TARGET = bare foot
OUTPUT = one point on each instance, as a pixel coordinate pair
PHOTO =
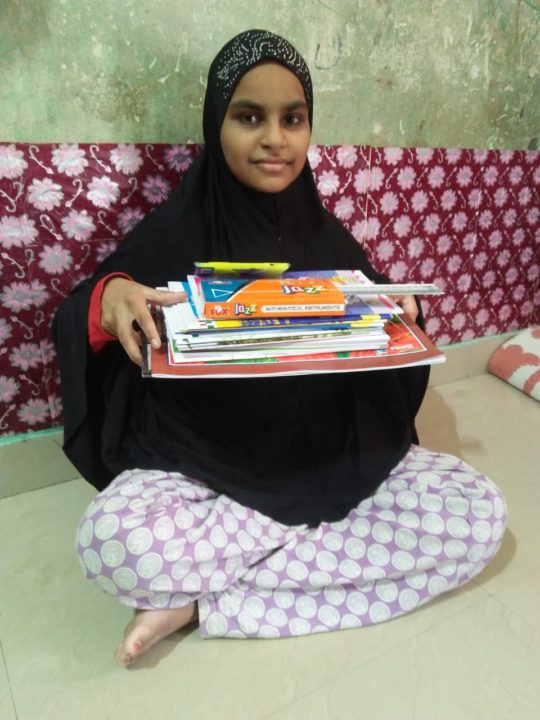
(149, 627)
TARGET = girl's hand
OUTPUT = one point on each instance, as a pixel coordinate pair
(125, 313)
(408, 303)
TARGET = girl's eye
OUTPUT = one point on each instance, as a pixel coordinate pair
(294, 119)
(248, 118)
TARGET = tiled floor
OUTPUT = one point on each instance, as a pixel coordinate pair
(474, 654)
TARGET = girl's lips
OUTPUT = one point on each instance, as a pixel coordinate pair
(271, 166)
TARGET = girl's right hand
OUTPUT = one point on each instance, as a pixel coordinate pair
(125, 313)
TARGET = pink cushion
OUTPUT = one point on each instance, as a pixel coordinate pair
(518, 362)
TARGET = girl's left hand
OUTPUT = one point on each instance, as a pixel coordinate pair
(408, 303)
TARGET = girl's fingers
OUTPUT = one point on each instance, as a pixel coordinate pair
(147, 325)
(408, 303)
(126, 315)
(164, 297)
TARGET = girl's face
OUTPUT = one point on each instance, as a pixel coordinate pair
(265, 134)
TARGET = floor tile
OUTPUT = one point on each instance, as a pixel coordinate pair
(523, 598)
(477, 420)
(61, 632)
(461, 669)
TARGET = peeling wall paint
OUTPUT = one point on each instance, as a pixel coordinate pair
(450, 73)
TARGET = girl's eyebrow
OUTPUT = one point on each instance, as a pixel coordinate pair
(257, 107)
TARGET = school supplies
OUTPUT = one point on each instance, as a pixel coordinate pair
(370, 331)
(240, 269)
(407, 346)
(293, 294)
(220, 297)
(354, 282)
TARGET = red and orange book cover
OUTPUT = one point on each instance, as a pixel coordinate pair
(223, 298)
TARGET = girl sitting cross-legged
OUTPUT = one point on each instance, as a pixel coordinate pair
(257, 507)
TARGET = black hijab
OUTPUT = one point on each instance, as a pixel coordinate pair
(241, 222)
(300, 449)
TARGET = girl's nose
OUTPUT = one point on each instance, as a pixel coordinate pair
(273, 135)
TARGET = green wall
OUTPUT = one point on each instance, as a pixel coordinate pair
(444, 73)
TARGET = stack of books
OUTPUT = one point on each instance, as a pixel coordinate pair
(252, 320)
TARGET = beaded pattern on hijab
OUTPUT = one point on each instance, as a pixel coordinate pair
(250, 48)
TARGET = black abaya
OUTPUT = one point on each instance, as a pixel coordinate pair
(300, 449)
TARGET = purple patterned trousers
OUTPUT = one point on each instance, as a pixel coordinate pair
(161, 540)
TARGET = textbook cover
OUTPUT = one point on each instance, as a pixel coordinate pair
(220, 297)
(355, 307)
(359, 312)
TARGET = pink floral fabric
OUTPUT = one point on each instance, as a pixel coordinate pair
(468, 220)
